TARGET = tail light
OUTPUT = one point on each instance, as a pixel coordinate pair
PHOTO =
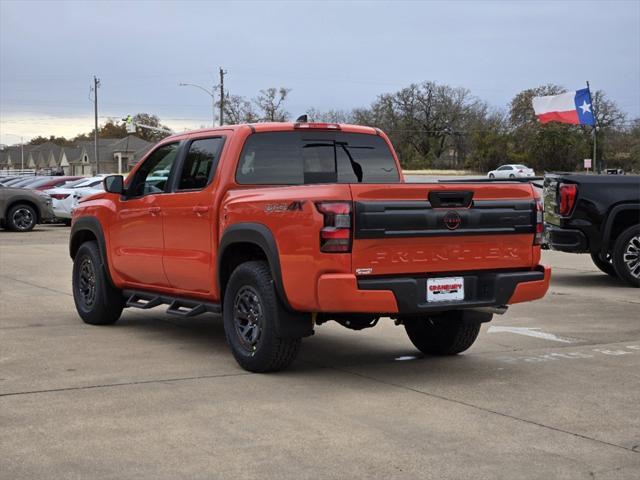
(59, 196)
(317, 125)
(567, 193)
(538, 238)
(336, 235)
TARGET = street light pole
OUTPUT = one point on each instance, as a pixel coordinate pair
(208, 92)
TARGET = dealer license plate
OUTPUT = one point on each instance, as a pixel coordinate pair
(445, 289)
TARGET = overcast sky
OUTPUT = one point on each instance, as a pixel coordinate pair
(334, 55)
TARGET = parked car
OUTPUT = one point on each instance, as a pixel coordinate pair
(26, 182)
(598, 215)
(511, 171)
(64, 199)
(21, 209)
(281, 227)
(53, 182)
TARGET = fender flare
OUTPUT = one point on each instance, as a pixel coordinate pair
(608, 225)
(289, 323)
(89, 224)
(259, 235)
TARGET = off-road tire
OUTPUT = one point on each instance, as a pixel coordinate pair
(97, 301)
(604, 264)
(253, 281)
(21, 218)
(625, 255)
(447, 334)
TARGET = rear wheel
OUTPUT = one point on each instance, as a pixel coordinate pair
(250, 311)
(604, 263)
(491, 175)
(626, 256)
(97, 301)
(446, 334)
(512, 176)
(21, 218)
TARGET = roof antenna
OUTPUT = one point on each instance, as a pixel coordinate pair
(302, 119)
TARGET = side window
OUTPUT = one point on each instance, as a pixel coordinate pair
(200, 163)
(153, 174)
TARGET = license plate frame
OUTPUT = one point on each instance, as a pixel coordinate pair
(445, 289)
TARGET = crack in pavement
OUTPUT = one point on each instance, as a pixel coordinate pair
(124, 384)
(36, 285)
(482, 409)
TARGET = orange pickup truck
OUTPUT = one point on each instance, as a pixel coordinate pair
(280, 227)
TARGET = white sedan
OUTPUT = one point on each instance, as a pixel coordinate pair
(511, 171)
(66, 198)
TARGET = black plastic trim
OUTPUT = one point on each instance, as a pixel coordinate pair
(259, 235)
(401, 219)
(90, 224)
(566, 239)
(482, 289)
(608, 226)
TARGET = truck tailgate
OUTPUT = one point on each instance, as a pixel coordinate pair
(430, 228)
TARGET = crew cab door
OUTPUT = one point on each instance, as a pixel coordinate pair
(137, 241)
(189, 216)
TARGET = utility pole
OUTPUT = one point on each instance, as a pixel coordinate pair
(96, 84)
(22, 155)
(222, 74)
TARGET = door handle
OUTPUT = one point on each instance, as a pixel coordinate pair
(154, 210)
(200, 209)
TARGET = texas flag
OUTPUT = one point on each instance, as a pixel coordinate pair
(570, 107)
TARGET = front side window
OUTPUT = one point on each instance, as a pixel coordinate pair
(299, 158)
(200, 163)
(153, 174)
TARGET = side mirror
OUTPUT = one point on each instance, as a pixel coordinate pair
(114, 184)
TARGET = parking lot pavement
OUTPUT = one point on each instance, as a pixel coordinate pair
(550, 390)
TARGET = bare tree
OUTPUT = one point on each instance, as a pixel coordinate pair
(238, 109)
(269, 103)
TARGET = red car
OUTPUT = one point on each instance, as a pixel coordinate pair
(52, 182)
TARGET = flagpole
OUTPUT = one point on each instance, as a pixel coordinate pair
(596, 168)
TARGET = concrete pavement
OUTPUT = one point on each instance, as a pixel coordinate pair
(159, 397)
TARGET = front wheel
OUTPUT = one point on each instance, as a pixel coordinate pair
(446, 334)
(97, 301)
(604, 263)
(491, 175)
(250, 311)
(512, 176)
(626, 256)
(21, 218)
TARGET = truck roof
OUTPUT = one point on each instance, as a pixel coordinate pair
(281, 127)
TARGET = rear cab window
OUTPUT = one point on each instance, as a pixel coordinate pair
(302, 158)
(200, 163)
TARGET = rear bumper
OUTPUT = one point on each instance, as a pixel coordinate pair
(342, 293)
(566, 239)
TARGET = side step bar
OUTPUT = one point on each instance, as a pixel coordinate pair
(181, 307)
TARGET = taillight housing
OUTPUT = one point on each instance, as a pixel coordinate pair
(567, 193)
(336, 233)
(59, 196)
(538, 238)
(317, 125)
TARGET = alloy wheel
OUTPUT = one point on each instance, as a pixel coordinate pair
(631, 256)
(87, 282)
(248, 317)
(23, 218)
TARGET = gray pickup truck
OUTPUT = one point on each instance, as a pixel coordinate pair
(21, 209)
